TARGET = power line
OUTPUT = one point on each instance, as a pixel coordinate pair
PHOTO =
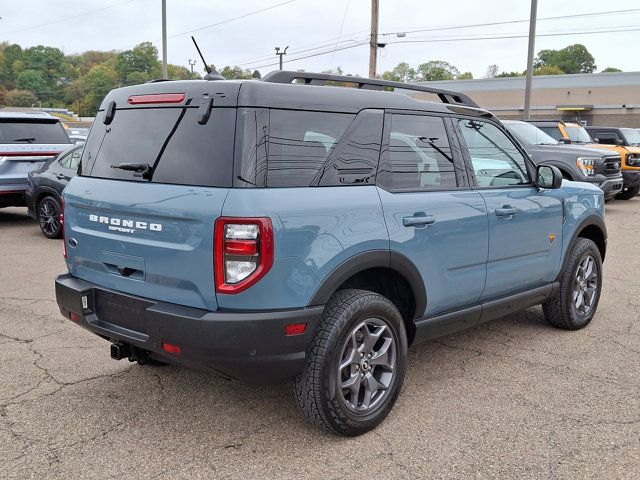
(344, 17)
(66, 18)
(232, 19)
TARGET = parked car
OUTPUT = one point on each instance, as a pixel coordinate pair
(27, 140)
(599, 167)
(286, 229)
(574, 133)
(44, 189)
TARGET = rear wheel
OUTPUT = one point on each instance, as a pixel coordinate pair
(628, 193)
(49, 210)
(575, 304)
(355, 365)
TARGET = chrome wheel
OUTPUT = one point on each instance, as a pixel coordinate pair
(367, 365)
(585, 285)
(49, 216)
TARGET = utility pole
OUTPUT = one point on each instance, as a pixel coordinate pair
(373, 42)
(532, 41)
(281, 54)
(191, 64)
(165, 74)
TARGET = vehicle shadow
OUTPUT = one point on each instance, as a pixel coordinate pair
(16, 216)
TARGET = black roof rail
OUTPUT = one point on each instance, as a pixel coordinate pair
(445, 96)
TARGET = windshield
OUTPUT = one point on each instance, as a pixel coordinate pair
(577, 134)
(13, 131)
(529, 134)
(631, 136)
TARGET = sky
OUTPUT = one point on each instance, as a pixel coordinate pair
(334, 31)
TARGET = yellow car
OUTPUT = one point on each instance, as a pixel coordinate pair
(625, 141)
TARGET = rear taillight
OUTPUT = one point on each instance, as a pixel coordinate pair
(243, 252)
(64, 236)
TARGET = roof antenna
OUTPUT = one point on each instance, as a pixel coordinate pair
(212, 74)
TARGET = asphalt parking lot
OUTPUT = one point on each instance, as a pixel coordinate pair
(512, 398)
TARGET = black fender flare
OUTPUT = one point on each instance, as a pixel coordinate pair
(591, 220)
(372, 259)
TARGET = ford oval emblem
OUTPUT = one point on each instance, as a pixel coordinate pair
(73, 242)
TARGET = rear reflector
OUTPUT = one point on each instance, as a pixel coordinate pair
(295, 329)
(170, 348)
(74, 317)
(157, 98)
(64, 236)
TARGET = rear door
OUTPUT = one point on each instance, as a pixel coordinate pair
(434, 219)
(151, 233)
(525, 222)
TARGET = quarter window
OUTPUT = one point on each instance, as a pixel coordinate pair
(299, 144)
(496, 160)
(419, 154)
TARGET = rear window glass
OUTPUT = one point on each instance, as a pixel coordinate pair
(300, 143)
(26, 132)
(170, 141)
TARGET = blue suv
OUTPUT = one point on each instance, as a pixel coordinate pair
(292, 228)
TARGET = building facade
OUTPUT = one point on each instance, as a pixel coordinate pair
(611, 99)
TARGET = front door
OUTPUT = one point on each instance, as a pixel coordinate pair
(433, 218)
(525, 222)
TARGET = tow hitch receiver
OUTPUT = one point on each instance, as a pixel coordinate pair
(134, 354)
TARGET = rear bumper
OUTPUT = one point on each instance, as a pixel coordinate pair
(249, 346)
(10, 197)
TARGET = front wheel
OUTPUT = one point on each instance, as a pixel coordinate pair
(575, 304)
(49, 210)
(628, 193)
(355, 365)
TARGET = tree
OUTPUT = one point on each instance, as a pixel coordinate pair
(20, 98)
(492, 71)
(572, 59)
(34, 81)
(402, 72)
(235, 73)
(97, 83)
(611, 70)
(510, 74)
(548, 70)
(11, 53)
(49, 61)
(465, 76)
(178, 72)
(436, 70)
(256, 74)
(142, 59)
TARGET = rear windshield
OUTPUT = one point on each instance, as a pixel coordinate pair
(14, 131)
(167, 144)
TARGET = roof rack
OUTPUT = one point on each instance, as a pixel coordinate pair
(552, 120)
(445, 96)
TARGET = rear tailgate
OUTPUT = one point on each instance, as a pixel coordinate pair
(155, 173)
(16, 161)
(151, 240)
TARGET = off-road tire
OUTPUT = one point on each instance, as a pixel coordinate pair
(560, 310)
(315, 387)
(629, 193)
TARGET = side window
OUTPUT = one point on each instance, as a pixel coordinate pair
(496, 160)
(65, 160)
(418, 156)
(553, 132)
(299, 144)
(74, 160)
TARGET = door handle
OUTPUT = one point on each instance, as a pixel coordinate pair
(506, 211)
(418, 220)
(60, 176)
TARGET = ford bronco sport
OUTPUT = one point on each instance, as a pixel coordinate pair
(270, 230)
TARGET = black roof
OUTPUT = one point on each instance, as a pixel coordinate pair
(590, 127)
(258, 93)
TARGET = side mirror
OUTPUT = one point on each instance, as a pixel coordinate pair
(566, 141)
(548, 176)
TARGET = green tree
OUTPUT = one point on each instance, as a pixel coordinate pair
(492, 71)
(611, 70)
(235, 73)
(97, 83)
(436, 70)
(510, 74)
(256, 74)
(20, 98)
(465, 76)
(11, 54)
(141, 59)
(402, 72)
(49, 61)
(178, 72)
(548, 70)
(572, 59)
(34, 81)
